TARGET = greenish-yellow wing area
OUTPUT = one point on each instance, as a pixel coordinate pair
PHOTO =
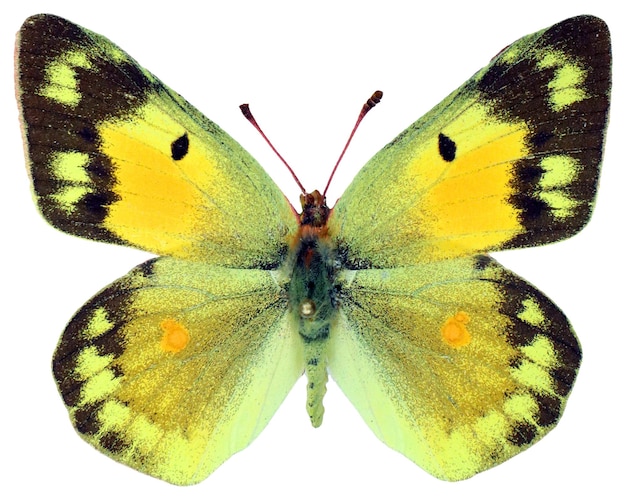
(116, 156)
(178, 365)
(510, 159)
(458, 364)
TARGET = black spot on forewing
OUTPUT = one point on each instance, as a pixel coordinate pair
(180, 147)
(447, 148)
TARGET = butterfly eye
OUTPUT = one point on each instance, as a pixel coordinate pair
(180, 147)
(447, 147)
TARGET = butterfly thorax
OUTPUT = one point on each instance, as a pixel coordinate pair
(311, 295)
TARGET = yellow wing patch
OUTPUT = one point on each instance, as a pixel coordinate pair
(61, 82)
(146, 179)
(568, 85)
(455, 198)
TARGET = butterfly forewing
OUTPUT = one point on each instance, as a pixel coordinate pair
(509, 159)
(116, 156)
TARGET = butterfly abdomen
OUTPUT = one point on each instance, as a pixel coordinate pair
(310, 300)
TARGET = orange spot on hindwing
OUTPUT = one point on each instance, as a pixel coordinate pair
(175, 336)
(454, 332)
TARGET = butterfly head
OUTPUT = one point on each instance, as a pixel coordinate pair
(315, 211)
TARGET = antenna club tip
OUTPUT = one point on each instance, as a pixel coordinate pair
(245, 109)
(374, 100)
(371, 102)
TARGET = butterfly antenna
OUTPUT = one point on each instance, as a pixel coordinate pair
(369, 104)
(245, 109)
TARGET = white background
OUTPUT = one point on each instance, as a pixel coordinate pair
(306, 68)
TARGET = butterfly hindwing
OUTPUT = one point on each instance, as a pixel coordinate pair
(178, 365)
(510, 159)
(458, 364)
(117, 156)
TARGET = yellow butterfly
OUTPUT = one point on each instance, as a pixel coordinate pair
(451, 359)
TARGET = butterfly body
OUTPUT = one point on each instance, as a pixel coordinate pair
(312, 265)
(450, 358)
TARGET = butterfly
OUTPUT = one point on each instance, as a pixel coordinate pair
(451, 359)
